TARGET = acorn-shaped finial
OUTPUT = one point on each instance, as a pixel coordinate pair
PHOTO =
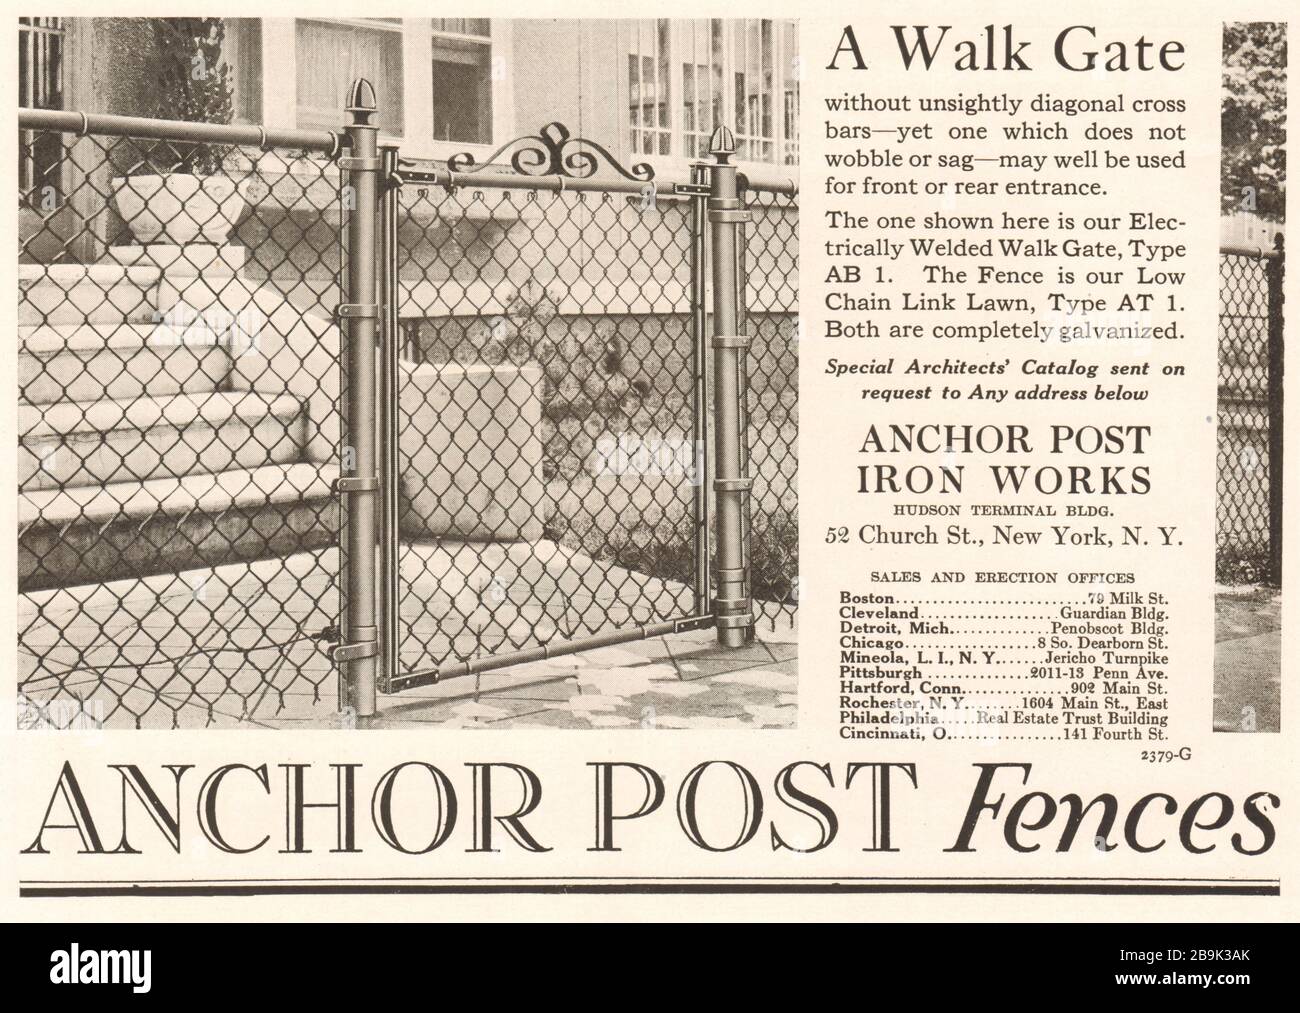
(722, 145)
(361, 101)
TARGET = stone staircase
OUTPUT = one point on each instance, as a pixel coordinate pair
(144, 447)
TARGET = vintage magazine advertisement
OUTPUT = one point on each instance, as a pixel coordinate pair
(650, 462)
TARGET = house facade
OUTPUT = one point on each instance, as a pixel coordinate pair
(647, 90)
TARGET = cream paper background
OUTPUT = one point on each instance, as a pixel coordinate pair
(926, 820)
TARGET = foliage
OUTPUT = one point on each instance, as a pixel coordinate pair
(194, 84)
(1233, 567)
(1254, 118)
(664, 553)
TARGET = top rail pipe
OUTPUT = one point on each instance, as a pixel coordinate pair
(663, 186)
(180, 130)
(1244, 250)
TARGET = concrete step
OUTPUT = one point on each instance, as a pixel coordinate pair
(135, 529)
(190, 260)
(90, 362)
(87, 294)
(172, 436)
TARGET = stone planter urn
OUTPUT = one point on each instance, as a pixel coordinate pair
(178, 208)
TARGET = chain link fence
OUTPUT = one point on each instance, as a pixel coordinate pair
(1250, 412)
(552, 411)
(178, 424)
(191, 444)
(546, 447)
(771, 273)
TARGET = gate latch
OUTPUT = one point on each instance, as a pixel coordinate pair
(341, 653)
(357, 311)
(356, 483)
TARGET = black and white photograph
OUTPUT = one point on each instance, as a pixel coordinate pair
(398, 372)
(1252, 270)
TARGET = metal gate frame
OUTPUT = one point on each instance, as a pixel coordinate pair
(717, 216)
(368, 653)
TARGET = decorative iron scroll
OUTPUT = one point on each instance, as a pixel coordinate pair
(544, 154)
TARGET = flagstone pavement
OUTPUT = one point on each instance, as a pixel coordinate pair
(238, 647)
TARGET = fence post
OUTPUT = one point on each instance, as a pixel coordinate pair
(389, 398)
(731, 608)
(742, 366)
(357, 652)
(699, 388)
(1276, 269)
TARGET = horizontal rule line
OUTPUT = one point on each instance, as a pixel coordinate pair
(585, 886)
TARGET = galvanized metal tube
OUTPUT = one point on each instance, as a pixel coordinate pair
(1276, 271)
(1244, 250)
(559, 649)
(363, 173)
(731, 606)
(388, 407)
(742, 380)
(180, 130)
(700, 393)
(597, 184)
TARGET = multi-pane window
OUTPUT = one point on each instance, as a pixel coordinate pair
(685, 77)
(332, 52)
(40, 86)
(458, 106)
(790, 94)
(462, 80)
(649, 87)
(752, 75)
(40, 63)
(701, 56)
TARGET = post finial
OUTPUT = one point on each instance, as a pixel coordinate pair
(361, 102)
(722, 145)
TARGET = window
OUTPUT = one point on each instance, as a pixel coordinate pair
(701, 84)
(752, 54)
(40, 63)
(790, 94)
(40, 86)
(687, 76)
(331, 52)
(242, 53)
(437, 80)
(462, 80)
(649, 87)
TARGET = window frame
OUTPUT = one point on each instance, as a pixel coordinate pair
(279, 83)
(678, 154)
(364, 24)
(495, 60)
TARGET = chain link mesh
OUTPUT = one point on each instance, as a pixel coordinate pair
(545, 451)
(178, 431)
(179, 421)
(1243, 452)
(771, 304)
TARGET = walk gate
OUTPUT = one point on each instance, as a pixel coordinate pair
(545, 469)
(471, 425)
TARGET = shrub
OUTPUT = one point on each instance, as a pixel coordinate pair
(193, 84)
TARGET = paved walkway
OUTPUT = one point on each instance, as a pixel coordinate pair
(237, 646)
(1248, 660)
(679, 681)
